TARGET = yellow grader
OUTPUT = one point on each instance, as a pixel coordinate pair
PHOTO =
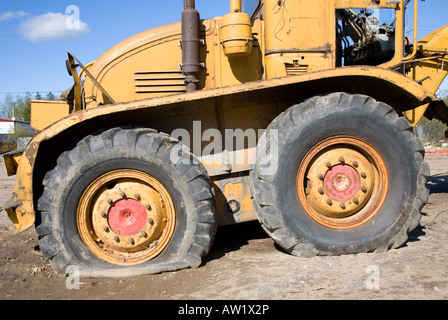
(298, 114)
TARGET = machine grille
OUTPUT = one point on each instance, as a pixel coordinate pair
(296, 69)
(159, 81)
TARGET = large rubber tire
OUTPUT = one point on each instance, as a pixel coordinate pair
(138, 151)
(297, 223)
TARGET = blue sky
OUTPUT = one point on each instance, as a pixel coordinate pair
(36, 62)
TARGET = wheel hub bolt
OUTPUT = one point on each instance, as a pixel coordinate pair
(341, 160)
(364, 189)
(131, 241)
(148, 207)
(106, 229)
(356, 201)
(343, 205)
(117, 239)
(328, 164)
(363, 175)
(104, 215)
(321, 177)
(321, 191)
(110, 202)
(329, 202)
(144, 234)
(355, 164)
(137, 196)
(150, 221)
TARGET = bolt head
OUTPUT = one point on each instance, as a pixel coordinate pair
(321, 191)
(234, 206)
(329, 202)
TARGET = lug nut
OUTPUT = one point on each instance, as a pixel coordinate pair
(144, 234)
(328, 164)
(109, 201)
(355, 164)
(117, 239)
(343, 205)
(363, 175)
(321, 177)
(148, 207)
(364, 189)
(131, 241)
(341, 160)
(150, 221)
(356, 201)
(329, 202)
(122, 194)
(104, 215)
(321, 191)
(106, 229)
(137, 196)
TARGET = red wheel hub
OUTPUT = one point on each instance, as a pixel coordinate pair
(341, 183)
(127, 217)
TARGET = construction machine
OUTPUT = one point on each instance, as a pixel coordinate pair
(298, 114)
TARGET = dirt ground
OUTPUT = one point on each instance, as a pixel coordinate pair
(245, 264)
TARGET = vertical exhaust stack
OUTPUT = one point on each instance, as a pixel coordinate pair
(190, 45)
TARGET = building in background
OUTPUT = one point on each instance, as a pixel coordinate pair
(14, 135)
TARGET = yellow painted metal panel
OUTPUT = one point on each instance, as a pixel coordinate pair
(299, 25)
(12, 161)
(430, 67)
(20, 208)
(45, 113)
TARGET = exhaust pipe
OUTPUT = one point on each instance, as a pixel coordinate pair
(190, 45)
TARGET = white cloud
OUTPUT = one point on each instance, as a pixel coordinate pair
(52, 26)
(10, 15)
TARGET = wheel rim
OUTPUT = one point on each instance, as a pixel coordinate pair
(126, 217)
(342, 182)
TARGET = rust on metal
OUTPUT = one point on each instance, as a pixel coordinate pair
(346, 202)
(190, 45)
(133, 234)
